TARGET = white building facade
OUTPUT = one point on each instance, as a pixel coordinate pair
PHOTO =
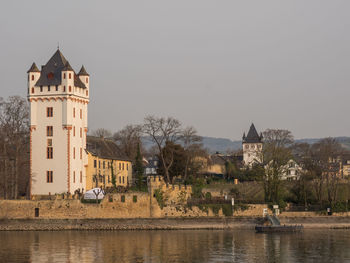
(58, 126)
(252, 147)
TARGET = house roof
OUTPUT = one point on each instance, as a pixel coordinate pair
(33, 68)
(51, 73)
(252, 136)
(104, 148)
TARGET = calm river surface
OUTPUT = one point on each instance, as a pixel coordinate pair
(175, 246)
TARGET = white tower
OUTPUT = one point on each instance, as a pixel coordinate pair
(58, 126)
(252, 147)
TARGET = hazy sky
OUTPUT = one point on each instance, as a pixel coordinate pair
(217, 65)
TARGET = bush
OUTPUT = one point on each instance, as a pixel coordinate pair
(227, 210)
(159, 195)
(208, 196)
(340, 207)
(90, 201)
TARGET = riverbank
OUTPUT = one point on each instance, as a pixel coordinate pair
(323, 222)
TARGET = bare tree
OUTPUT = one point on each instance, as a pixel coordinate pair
(14, 129)
(275, 155)
(128, 140)
(161, 131)
(191, 144)
(324, 165)
(101, 132)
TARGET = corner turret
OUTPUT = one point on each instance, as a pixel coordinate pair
(84, 77)
(33, 76)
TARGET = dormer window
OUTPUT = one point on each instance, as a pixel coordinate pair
(50, 75)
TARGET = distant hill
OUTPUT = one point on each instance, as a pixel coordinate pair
(222, 144)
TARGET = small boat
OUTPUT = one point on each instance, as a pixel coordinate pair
(278, 228)
(273, 224)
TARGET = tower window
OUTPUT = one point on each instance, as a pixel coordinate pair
(41, 88)
(73, 112)
(49, 176)
(81, 176)
(64, 88)
(74, 177)
(81, 113)
(49, 130)
(81, 132)
(32, 90)
(73, 152)
(32, 77)
(73, 131)
(70, 75)
(56, 87)
(70, 89)
(49, 112)
(48, 88)
(95, 163)
(81, 153)
(87, 93)
(87, 80)
(49, 153)
(127, 167)
(64, 75)
(123, 166)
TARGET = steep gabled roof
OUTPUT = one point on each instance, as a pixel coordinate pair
(67, 67)
(104, 148)
(83, 72)
(51, 73)
(252, 136)
(33, 68)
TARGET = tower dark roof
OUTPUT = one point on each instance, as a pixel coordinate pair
(51, 73)
(252, 136)
(33, 68)
(83, 72)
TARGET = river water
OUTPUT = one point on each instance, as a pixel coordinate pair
(175, 246)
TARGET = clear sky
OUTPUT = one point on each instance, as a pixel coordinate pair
(217, 65)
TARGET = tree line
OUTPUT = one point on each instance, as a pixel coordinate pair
(14, 147)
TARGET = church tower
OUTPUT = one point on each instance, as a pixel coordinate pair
(58, 125)
(252, 147)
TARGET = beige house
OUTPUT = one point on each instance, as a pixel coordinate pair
(105, 161)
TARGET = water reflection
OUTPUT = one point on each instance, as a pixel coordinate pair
(175, 246)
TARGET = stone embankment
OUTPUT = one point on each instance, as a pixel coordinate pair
(325, 222)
